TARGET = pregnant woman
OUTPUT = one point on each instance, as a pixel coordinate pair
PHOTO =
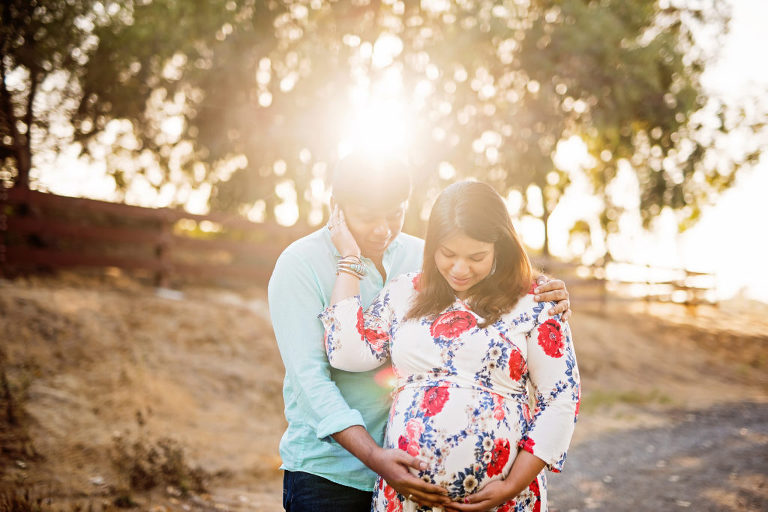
(466, 341)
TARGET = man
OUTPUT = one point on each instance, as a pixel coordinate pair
(331, 449)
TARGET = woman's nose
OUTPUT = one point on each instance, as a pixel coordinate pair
(459, 267)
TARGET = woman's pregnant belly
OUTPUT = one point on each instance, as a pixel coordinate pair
(467, 436)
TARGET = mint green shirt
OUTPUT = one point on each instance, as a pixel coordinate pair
(320, 400)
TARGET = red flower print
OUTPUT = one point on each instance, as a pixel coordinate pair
(393, 502)
(534, 488)
(414, 428)
(416, 281)
(360, 322)
(517, 366)
(434, 400)
(551, 338)
(526, 444)
(498, 408)
(389, 491)
(452, 324)
(499, 457)
(375, 338)
(507, 507)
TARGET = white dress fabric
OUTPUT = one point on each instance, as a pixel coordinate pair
(461, 401)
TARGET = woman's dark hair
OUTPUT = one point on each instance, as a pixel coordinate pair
(476, 210)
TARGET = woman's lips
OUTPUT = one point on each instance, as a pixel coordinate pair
(459, 282)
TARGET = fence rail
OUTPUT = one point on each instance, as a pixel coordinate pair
(632, 281)
(46, 231)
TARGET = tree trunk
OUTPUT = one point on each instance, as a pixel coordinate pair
(19, 148)
(545, 219)
(545, 247)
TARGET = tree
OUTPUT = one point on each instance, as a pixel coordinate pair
(43, 43)
(190, 67)
(250, 97)
(627, 77)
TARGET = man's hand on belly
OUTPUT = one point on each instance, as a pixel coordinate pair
(393, 464)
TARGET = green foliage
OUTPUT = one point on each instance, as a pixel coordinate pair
(42, 45)
(174, 57)
(259, 90)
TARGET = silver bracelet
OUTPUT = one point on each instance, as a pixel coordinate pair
(353, 265)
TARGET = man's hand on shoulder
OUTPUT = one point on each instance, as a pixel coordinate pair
(553, 290)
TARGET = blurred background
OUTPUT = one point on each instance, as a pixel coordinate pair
(157, 155)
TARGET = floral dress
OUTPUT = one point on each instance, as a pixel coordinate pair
(461, 401)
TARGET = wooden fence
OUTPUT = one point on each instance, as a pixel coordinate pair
(40, 231)
(596, 284)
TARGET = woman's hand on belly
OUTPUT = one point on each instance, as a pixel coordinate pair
(492, 495)
(523, 471)
(392, 465)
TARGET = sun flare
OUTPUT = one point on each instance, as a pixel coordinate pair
(377, 124)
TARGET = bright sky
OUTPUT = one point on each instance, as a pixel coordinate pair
(729, 240)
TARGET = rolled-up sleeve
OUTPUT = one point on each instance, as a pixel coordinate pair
(295, 299)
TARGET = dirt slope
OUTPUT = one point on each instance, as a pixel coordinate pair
(89, 362)
(92, 362)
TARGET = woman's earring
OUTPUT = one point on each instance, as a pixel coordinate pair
(493, 267)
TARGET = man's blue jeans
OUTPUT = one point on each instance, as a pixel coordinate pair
(304, 492)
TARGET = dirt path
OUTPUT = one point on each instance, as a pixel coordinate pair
(715, 459)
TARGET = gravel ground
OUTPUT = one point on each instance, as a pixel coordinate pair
(709, 460)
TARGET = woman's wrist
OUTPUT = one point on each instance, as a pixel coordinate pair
(513, 486)
(524, 471)
(352, 265)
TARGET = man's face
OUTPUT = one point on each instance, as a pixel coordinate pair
(374, 228)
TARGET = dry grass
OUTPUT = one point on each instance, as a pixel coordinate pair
(111, 393)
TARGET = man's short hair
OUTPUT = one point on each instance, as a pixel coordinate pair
(371, 181)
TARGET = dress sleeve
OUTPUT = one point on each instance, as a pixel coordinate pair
(556, 387)
(357, 340)
(294, 300)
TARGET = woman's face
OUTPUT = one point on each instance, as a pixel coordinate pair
(463, 262)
